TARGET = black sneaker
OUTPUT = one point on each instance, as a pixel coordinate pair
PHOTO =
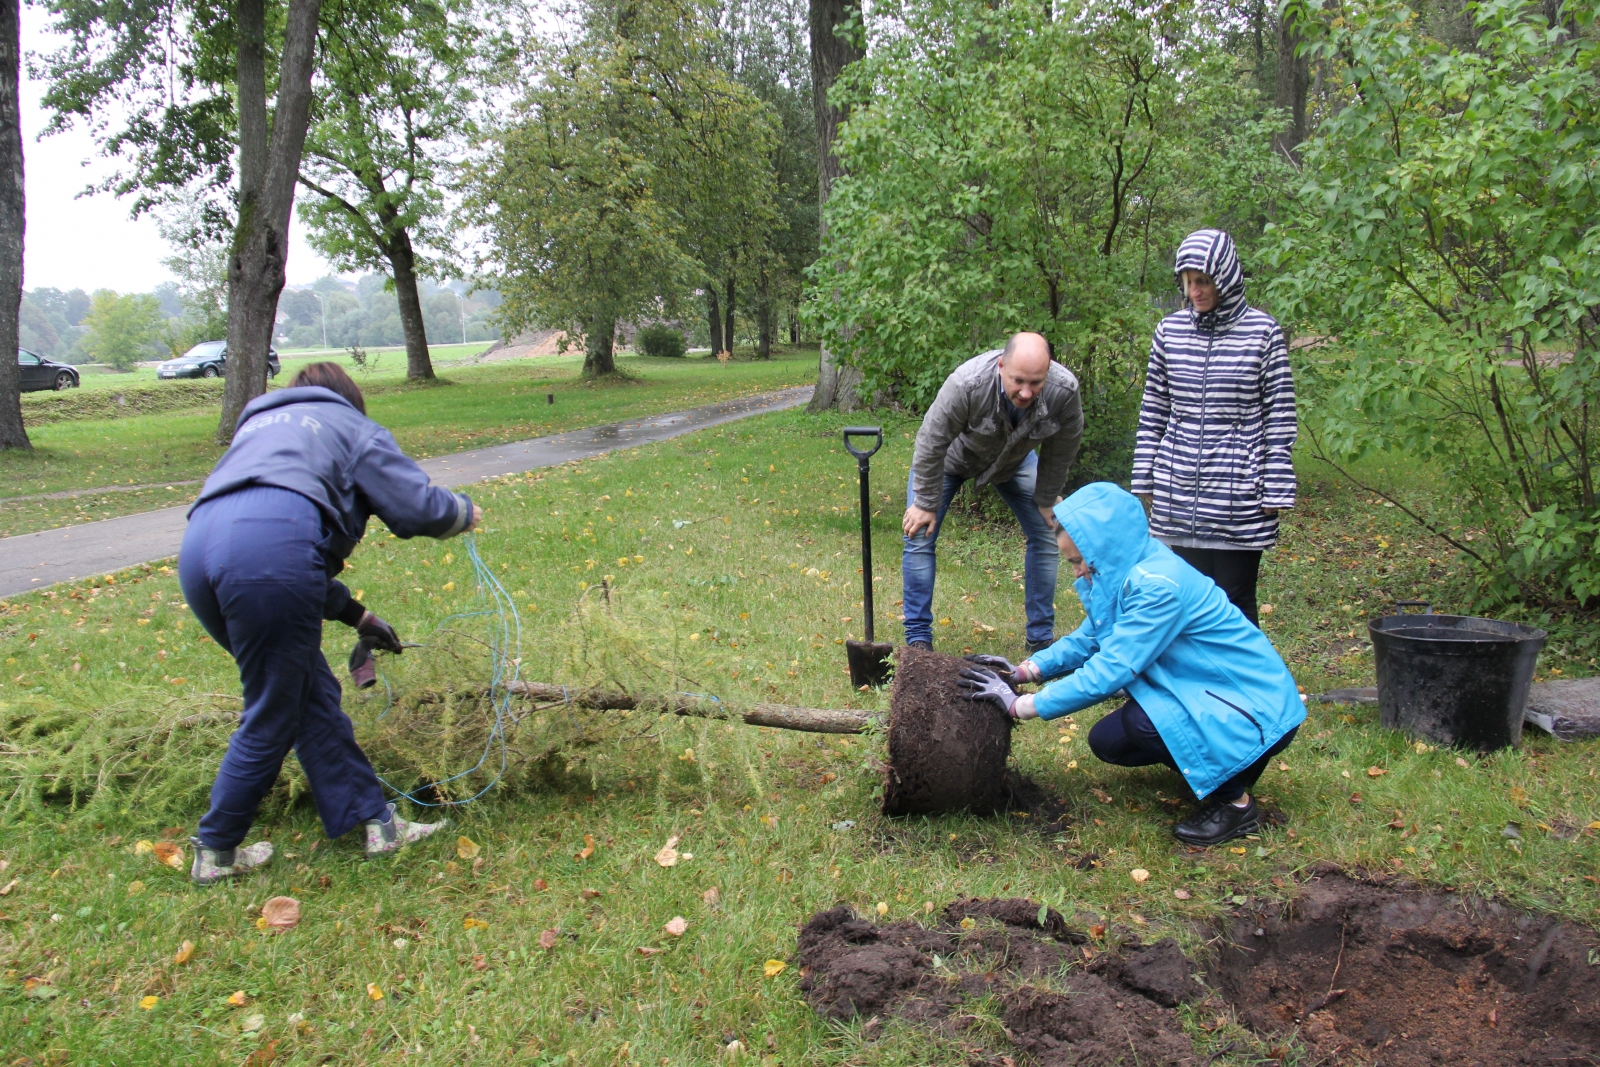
(925, 646)
(1217, 822)
(1039, 646)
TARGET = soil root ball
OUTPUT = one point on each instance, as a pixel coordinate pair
(851, 967)
(1424, 976)
(946, 753)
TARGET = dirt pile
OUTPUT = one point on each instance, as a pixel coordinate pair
(1117, 1008)
(1371, 973)
(946, 753)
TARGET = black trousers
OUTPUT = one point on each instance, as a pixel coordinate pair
(1127, 738)
(1234, 569)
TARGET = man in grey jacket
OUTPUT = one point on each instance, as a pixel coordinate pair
(1010, 418)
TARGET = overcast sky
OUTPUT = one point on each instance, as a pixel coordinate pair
(90, 242)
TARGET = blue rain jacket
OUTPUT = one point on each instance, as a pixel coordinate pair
(1214, 687)
(311, 441)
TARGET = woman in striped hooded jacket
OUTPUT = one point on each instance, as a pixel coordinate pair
(1217, 424)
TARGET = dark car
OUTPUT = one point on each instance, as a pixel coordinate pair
(36, 372)
(208, 359)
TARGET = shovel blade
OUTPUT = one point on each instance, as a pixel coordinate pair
(869, 662)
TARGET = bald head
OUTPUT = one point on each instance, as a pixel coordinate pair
(1024, 366)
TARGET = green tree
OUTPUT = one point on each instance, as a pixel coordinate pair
(632, 152)
(124, 330)
(1017, 167)
(1447, 238)
(393, 107)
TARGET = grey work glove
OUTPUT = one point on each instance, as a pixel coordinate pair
(999, 664)
(987, 685)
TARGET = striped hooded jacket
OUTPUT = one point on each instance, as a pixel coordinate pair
(1217, 424)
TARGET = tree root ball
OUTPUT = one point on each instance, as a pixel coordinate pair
(946, 753)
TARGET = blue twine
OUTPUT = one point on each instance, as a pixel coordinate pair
(505, 656)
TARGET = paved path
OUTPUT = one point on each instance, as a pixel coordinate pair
(36, 560)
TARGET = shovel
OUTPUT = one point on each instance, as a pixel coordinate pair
(869, 660)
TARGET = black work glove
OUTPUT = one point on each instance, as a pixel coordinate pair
(380, 633)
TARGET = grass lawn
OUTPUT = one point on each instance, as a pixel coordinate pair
(388, 359)
(472, 406)
(720, 563)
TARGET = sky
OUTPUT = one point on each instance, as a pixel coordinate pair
(91, 242)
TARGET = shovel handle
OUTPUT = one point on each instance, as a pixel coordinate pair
(863, 431)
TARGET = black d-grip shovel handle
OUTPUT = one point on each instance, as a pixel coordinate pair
(862, 431)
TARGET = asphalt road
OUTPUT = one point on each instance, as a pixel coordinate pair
(38, 560)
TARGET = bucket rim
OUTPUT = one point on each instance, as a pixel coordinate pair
(1517, 633)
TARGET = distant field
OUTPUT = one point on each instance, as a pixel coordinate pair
(141, 462)
(388, 359)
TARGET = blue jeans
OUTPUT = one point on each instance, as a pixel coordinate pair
(251, 569)
(919, 567)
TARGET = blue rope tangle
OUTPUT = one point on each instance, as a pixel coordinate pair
(505, 656)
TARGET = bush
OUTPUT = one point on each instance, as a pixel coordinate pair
(660, 342)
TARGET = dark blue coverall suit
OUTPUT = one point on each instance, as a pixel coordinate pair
(282, 510)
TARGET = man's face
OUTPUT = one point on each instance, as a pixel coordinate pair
(1200, 289)
(1023, 374)
(1070, 554)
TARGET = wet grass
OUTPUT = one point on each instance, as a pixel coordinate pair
(740, 581)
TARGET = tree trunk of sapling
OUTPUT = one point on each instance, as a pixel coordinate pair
(419, 366)
(600, 347)
(268, 170)
(764, 324)
(13, 434)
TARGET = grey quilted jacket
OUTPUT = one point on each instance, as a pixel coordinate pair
(967, 433)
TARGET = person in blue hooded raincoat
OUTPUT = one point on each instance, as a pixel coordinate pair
(1208, 695)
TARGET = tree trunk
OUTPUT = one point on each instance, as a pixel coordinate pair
(714, 318)
(600, 347)
(830, 54)
(727, 311)
(1289, 91)
(419, 367)
(764, 323)
(12, 222)
(268, 170)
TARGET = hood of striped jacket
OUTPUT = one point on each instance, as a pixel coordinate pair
(1107, 524)
(1211, 252)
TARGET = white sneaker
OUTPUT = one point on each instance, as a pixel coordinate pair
(385, 837)
(213, 865)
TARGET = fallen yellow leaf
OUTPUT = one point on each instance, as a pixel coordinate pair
(467, 848)
(883, 907)
(281, 913)
(677, 926)
(1461, 762)
(469, 923)
(1519, 796)
(373, 991)
(588, 847)
(1182, 894)
(773, 968)
(149, 1002)
(185, 953)
(238, 998)
(968, 923)
(1237, 851)
(1139, 874)
(1376, 772)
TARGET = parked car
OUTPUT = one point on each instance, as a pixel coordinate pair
(208, 359)
(36, 372)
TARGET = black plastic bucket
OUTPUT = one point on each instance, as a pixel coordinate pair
(1454, 679)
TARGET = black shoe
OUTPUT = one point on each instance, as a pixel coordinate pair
(1217, 822)
(1039, 646)
(924, 646)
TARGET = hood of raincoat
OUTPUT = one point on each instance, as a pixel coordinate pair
(1211, 252)
(1107, 524)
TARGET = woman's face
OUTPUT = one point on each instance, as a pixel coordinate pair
(1070, 554)
(1201, 290)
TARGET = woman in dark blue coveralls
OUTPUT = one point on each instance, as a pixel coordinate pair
(283, 509)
